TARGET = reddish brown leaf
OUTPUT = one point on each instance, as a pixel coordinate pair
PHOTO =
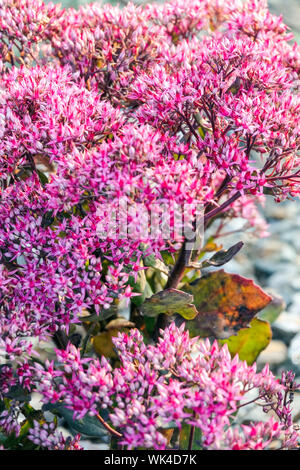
(225, 303)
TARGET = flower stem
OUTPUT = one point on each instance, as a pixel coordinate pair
(183, 261)
(108, 427)
(191, 438)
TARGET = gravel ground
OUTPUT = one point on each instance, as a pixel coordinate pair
(274, 263)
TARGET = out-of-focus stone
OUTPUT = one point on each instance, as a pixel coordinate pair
(252, 412)
(294, 351)
(281, 211)
(290, 11)
(244, 268)
(274, 250)
(294, 308)
(286, 326)
(276, 353)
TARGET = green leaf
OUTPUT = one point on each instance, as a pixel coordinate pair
(140, 286)
(249, 342)
(47, 219)
(152, 262)
(147, 292)
(184, 437)
(201, 129)
(25, 428)
(150, 325)
(18, 393)
(223, 256)
(89, 426)
(42, 177)
(235, 87)
(169, 302)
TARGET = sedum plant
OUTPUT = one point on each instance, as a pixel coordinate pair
(130, 138)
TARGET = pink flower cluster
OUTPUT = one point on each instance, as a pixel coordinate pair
(51, 251)
(9, 419)
(179, 380)
(47, 437)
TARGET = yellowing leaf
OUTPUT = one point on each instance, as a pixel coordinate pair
(119, 324)
(249, 342)
(167, 433)
(103, 344)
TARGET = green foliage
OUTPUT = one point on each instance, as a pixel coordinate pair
(169, 302)
(21, 442)
(88, 426)
(140, 286)
(223, 256)
(184, 438)
(18, 393)
(250, 342)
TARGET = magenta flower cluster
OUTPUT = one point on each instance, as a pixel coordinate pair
(175, 382)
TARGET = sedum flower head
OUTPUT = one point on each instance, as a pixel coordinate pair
(179, 380)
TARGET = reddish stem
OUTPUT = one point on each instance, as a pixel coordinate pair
(108, 427)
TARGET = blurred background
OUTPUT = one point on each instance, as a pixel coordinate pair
(273, 262)
(290, 9)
